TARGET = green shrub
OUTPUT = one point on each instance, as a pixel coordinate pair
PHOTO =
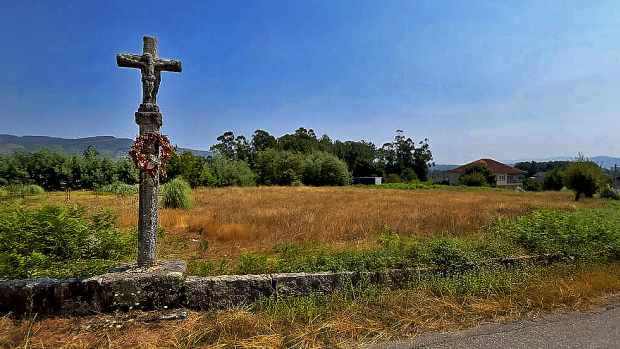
(587, 234)
(608, 192)
(583, 177)
(24, 189)
(207, 178)
(176, 194)
(554, 179)
(321, 168)
(57, 241)
(278, 167)
(252, 263)
(531, 185)
(392, 178)
(409, 175)
(231, 172)
(473, 180)
(477, 175)
(450, 255)
(118, 188)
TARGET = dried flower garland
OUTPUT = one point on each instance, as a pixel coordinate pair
(151, 163)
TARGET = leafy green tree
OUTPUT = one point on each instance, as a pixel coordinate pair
(207, 178)
(554, 179)
(361, 157)
(231, 172)
(422, 159)
(303, 141)
(243, 150)
(278, 167)
(533, 167)
(226, 146)
(262, 140)
(12, 170)
(94, 170)
(583, 177)
(186, 165)
(321, 168)
(125, 171)
(408, 175)
(402, 153)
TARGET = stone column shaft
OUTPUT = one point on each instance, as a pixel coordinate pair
(149, 119)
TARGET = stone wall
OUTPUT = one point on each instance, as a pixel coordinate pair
(166, 286)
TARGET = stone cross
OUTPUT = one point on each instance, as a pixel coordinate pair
(149, 119)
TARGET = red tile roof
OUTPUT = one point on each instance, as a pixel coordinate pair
(492, 165)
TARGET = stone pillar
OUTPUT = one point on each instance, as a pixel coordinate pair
(149, 119)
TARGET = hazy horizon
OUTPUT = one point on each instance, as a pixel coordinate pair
(524, 80)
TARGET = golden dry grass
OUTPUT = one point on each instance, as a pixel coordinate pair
(234, 220)
(391, 315)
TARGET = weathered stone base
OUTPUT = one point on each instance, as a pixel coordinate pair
(166, 286)
(124, 288)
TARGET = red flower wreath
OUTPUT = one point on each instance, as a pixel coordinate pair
(147, 162)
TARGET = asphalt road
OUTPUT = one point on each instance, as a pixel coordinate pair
(595, 329)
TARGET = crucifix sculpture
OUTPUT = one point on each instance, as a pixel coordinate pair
(150, 146)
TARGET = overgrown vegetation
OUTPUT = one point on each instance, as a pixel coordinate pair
(58, 241)
(22, 190)
(584, 178)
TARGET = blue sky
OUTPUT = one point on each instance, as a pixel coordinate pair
(502, 79)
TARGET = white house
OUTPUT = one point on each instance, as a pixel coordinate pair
(505, 175)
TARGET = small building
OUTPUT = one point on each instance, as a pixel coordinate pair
(505, 175)
(368, 180)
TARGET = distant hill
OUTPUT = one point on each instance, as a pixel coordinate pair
(602, 160)
(106, 145)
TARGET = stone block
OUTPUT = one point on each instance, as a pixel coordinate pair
(47, 296)
(217, 292)
(130, 287)
(298, 284)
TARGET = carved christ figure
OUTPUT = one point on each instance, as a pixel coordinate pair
(150, 80)
(150, 66)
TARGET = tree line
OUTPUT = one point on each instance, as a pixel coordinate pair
(55, 171)
(300, 157)
(582, 175)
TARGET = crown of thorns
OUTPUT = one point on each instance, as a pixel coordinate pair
(145, 160)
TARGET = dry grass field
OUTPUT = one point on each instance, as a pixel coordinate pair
(232, 221)
(236, 220)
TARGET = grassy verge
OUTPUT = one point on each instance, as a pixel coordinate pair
(341, 319)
